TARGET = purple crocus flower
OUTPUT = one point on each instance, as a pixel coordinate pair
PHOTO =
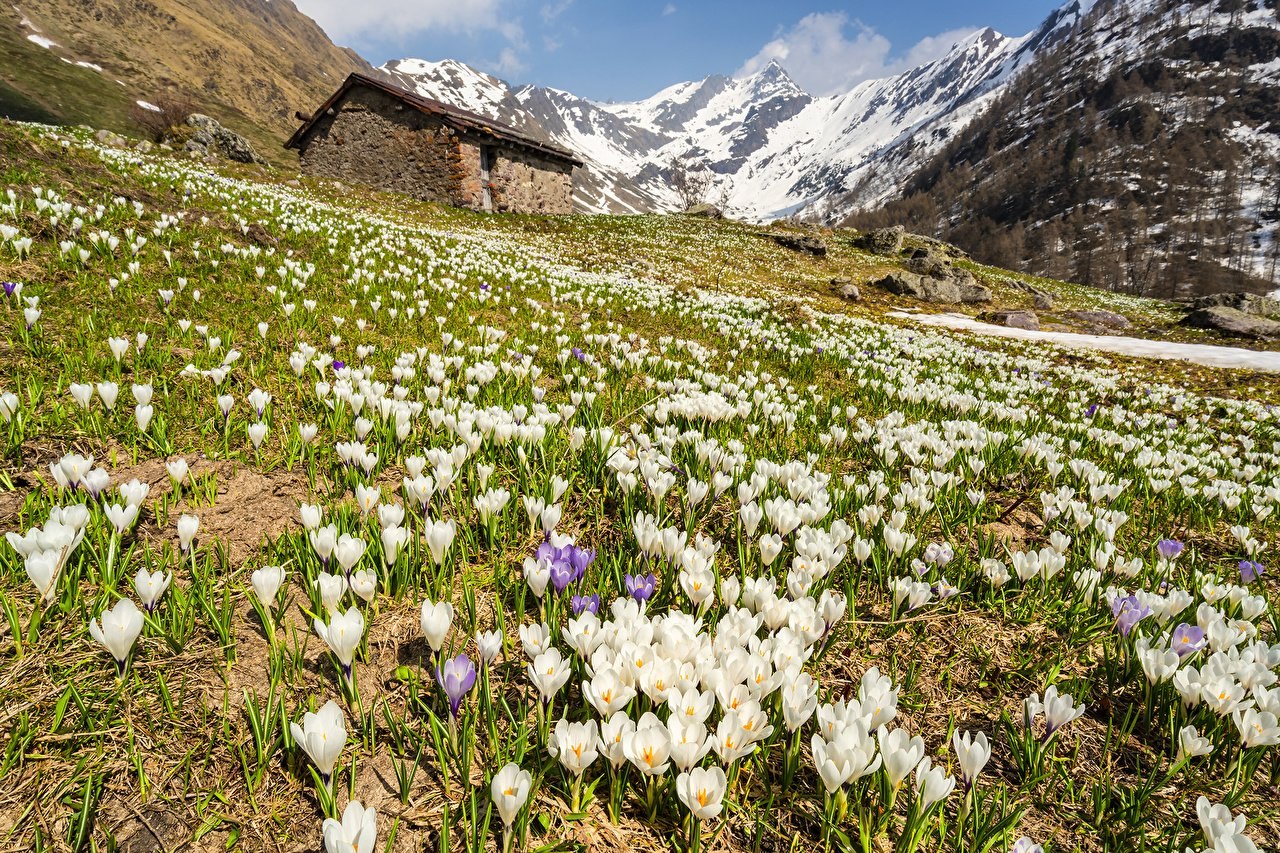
(579, 603)
(580, 558)
(1129, 611)
(1169, 549)
(456, 677)
(1091, 411)
(1187, 639)
(1250, 571)
(641, 587)
(9, 287)
(338, 365)
(568, 562)
(561, 575)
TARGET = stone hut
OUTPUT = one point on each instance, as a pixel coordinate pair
(374, 133)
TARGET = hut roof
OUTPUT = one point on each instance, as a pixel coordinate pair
(458, 118)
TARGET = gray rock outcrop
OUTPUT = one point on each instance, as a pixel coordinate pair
(806, 243)
(1108, 319)
(846, 289)
(1234, 321)
(1248, 303)
(1015, 319)
(212, 139)
(707, 211)
(882, 241)
(946, 291)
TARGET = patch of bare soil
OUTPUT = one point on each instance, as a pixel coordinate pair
(248, 507)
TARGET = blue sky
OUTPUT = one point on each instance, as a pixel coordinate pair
(629, 49)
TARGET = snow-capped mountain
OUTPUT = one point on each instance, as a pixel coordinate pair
(774, 149)
(1143, 156)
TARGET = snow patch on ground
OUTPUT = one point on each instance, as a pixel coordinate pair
(43, 41)
(90, 65)
(148, 106)
(1206, 354)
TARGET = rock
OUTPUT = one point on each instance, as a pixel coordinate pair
(928, 289)
(293, 182)
(931, 263)
(1109, 319)
(219, 140)
(1042, 299)
(144, 146)
(882, 241)
(971, 292)
(806, 243)
(1248, 303)
(112, 140)
(258, 234)
(707, 211)
(1233, 321)
(846, 288)
(1013, 319)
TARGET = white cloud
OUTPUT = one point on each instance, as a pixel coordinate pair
(827, 52)
(551, 11)
(930, 48)
(669, 9)
(344, 21)
(508, 63)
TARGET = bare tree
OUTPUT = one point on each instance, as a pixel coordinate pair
(691, 181)
(161, 116)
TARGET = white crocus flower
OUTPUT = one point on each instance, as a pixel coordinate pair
(357, 832)
(509, 792)
(702, 791)
(322, 736)
(119, 630)
(150, 586)
(343, 635)
(266, 583)
(437, 619)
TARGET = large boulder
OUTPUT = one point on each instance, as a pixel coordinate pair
(846, 289)
(1108, 319)
(707, 211)
(112, 140)
(1042, 299)
(933, 264)
(211, 138)
(806, 243)
(946, 291)
(1233, 321)
(882, 241)
(1248, 303)
(1015, 319)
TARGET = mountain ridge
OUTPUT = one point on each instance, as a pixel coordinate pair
(774, 150)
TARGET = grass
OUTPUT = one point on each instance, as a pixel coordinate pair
(703, 349)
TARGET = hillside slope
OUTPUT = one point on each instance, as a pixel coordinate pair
(1143, 155)
(250, 63)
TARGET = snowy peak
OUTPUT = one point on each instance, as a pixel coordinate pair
(459, 84)
(772, 80)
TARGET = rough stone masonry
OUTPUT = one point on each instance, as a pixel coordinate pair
(373, 133)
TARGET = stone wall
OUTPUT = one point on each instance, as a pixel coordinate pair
(374, 139)
(521, 181)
